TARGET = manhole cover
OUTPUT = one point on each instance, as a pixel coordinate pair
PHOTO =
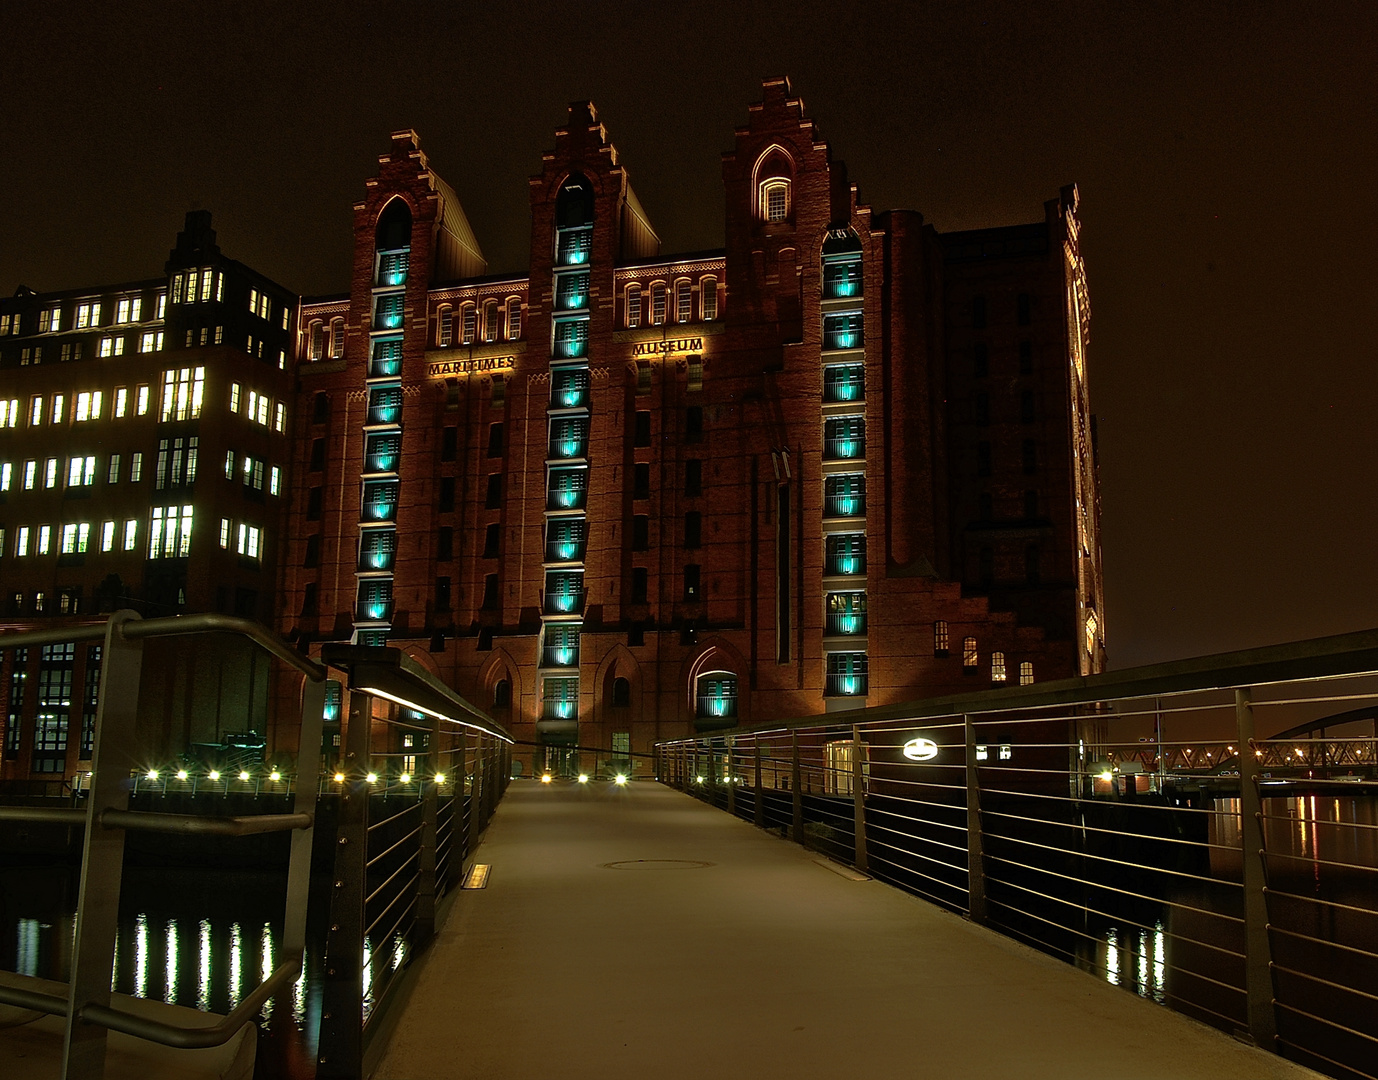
(656, 864)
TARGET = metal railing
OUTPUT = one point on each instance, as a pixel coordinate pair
(106, 819)
(1078, 816)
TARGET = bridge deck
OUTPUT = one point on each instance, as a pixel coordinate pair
(763, 963)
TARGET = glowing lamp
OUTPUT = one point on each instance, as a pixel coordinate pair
(545, 778)
(339, 778)
(275, 776)
(920, 749)
(440, 778)
(583, 778)
(847, 564)
(243, 774)
(405, 778)
(153, 774)
(213, 775)
(563, 655)
(567, 549)
(372, 778)
(849, 624)
(620, 779)
(181, 774)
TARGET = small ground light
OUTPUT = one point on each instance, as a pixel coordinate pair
(181, 774)
(621, 778)
(153, 774)
(214, 775)
(275, 776)
(583, 778)
(545, 778)
(698, 779)
(244, 774)
(405, 778)
(339, 778)
(372, 778)
(440, 778)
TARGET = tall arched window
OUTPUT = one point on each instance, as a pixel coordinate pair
(445, 326)
(514, 319)
(716, 695)
(490, 321)
(315, 340)
(621, 693)
(337, 337)
(502, 694)
(684, 301)
(708, 298)
(774, 174)
(658, 304)
(633, 305)
(394, 228)
(468, 324)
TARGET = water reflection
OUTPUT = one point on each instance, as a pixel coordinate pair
(1132, 957)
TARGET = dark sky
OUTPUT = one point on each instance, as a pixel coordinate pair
(1225, 154)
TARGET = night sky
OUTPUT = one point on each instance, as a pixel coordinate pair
(1225, 154)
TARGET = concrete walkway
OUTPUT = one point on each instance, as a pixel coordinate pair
(761, 963)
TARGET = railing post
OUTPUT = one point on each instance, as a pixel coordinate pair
(859, 796)
(342, 1007)
(473, 774)
(305, 801)
(98, 898)
(731, 779)
(430, 817)
(976, 871)
(759, 811)
(1258, 954)
(797, 822)
(464, 830)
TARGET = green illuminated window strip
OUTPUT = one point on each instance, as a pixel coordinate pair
(844, 382)
(561, 647)
(564, 540)
(392, 267)
(564, 592)
(382, 452)
(569, 437)
(572, 292)
(387, 311)
(845, 554)
(386, 361)
(844, 438)
(847, 674)
(717, 696)
(377, 549)
(844, 495)
(380, 500)
(569, 388)
(567, 489)
(384, 405)
(846, 614)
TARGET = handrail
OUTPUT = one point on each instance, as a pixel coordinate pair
(149, 821)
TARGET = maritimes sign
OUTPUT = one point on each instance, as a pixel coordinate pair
(660, 348)
(466, 367)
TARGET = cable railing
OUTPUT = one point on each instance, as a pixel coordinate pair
(1131, 823)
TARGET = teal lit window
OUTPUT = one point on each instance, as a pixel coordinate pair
(334, 698)
(384, 405)
(564, 592)
(374, 600)
(717, 696)
(846, 614)
(841, 278)
(560, 698)
(572, 291)
(377, 548)
(845, 554)
(380, 500)
(381, 452)
(568, 437)
(561, 645)
(571, 338)
(567, 489)
(386, 361)
(847, 674)
(373, 638)
(844, 438)
(387, 311)
(564, 540)
(844, 495)
(392, 267)
(573, 245)
(569, 388)
(842, 331)
(844, 382)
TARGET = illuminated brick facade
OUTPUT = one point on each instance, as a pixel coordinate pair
(845, 461)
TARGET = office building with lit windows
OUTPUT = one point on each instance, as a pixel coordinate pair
(846, 460)
(144, 445)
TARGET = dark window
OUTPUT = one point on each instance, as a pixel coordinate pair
(985, 507)
(317, 455)
(495, 440)
(987, 571)
(636, 634)
(445, 544)
(490, 592)
(313, 550)
(1026, 358)
(1031, 504)
(693, 423)
(492, 537)
(1031, 564)
(693, 478)
(641, 481)
(447, 494)
(980, 360)
(442, 594)
(1026, 407)
(1022, 308)
(449, 444)
(978, 312)
(983, 459)
(502, 694)
(641, 532)
(638, 584)
(320, 410)
(313, 504)
(693, 529)
(691, 581)
(641, 434)
(308, 599)
(621, 693)
(982, 410)
(1030, 456)
(492, 497)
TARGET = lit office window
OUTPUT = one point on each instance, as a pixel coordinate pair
(136, 467)
(514, 320)
(275, 481)
(684, 302)
(279, 417)
(234, 397)
(162, 306)
(182, 390)
(88, 406)
(708, 298)
(75, 538)
(128, 309)
(45, 539)
(21, 542)
(111, 346)
(633, 305)
(88, 315)
(6, 474)
(224, 532)
(81, 471)
(141, 401)
(107, 536)
(658, 304)
(131, 534)
(50, 473)
(248, 541)
(121, 402)
(258, 408)
(50, 320)
(997, 667)
(9, 412)
(30, 474)
(59, 408)
(169, 534)
(151, 341)
(112, 472)
(36, 410)
(971, 659)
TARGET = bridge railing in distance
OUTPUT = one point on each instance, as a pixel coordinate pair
(106, 819)
(400, 846)
(1132, 823)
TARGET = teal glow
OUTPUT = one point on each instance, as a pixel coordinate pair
(384, 366)
(377, 609)
(380, 511)
(395, 277)
(568, 497)
(564, 602)
(850, 684)
(844, 340)
(385, 462)
(564, 656)
(846, 392)
(572, 396)
(564, 709)
(717, 706)
(846, 448)
(845, 288)
(847, 505)
(566, 549)
(848, 624)
(848, 564)
(572, 348)
(569, 447)
(380, 560)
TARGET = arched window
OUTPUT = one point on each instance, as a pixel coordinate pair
(490, 321)
(971, 659)
(633, 305)
(445, 326)
(394, 227)
(684, 301)
(502, 694)
(514, 319)
(574, 204)
(997, 667)
(716, 696)
(708, 298)
(658, 304)
(337, 337)
(468, 324)
(621, 693)
(1026, 673)
(774, 173)
(315, 340)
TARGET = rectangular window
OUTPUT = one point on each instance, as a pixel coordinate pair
(639, 585)
(88, 315)
(169, 534)
(844, 438)
(249, 536)
(641, 481)
(693, 423)
(128, 309)
(495, 440)
(634, 306)
(694, 373)
(514, 321)
(21, 542)
(971, 658)
(6, 475)
(141, 400)
(641, 432)
(9, 413)
(50, 473)
(657, 304)
(45, 539)
(693, 529)
(848, 674)
(36, 410)
(107, 536)
(131, 534)
(279, 417)
(940, 638)
(997, 667)
(708, 299)
(59, 408)
(112, 471)
(275, 481)
(844, 495)
(693, 586)
(151, 341)
(1026, 673)
(845, 554)
(224, 532)
(684, 302)
(492, 495)
(641, 533)
(492, 537)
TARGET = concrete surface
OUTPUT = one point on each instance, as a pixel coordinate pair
(764, 963)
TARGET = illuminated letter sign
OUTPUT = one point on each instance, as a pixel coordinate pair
(663, 348)
(920, 749)
(468, 367)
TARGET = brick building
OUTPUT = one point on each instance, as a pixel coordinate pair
(844, 461)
